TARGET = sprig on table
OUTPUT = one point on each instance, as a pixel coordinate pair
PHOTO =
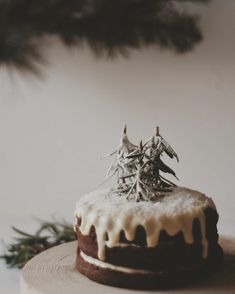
(25, 246)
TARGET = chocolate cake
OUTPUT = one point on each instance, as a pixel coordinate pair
(146, 232)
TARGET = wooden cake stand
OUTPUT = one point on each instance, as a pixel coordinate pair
(53, 272)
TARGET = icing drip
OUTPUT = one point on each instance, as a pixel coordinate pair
(123, 245)
(110, 213)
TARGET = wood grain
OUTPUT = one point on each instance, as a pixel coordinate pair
(53, 272)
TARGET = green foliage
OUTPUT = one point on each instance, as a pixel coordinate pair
(26, 246)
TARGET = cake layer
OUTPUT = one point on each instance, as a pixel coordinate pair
(116, 219)
(105, 273)
(170, 251)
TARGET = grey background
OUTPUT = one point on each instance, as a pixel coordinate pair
(52, 132)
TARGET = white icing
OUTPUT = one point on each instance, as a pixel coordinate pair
(119, 244)
(110, 213)
(106, 265)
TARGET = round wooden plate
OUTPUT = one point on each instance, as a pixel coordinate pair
(53, 272)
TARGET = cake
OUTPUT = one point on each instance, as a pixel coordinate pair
(146, 232)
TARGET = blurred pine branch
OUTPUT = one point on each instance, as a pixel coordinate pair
(109, 27)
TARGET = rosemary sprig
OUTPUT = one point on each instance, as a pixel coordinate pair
(25, 246)
(139, 168)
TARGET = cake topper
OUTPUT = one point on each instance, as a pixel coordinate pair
(139, 168)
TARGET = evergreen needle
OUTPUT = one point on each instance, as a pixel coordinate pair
(26, 246)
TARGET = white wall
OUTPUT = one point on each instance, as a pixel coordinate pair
(53, 131)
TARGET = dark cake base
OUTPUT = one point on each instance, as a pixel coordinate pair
(171, 263)
(169, 278)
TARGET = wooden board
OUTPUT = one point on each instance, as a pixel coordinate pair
(53, 272)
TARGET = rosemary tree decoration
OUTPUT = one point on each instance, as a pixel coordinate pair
(139, 168)
(26, 246)
(109, 27)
